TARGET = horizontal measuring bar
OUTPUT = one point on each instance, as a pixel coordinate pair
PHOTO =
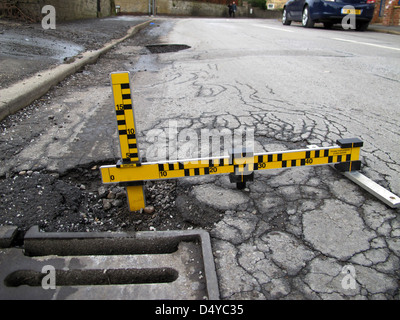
(220, 165)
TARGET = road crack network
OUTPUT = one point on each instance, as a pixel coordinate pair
(291, 232)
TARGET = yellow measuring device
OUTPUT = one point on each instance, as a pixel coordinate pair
(239, 164)
(130, 157)
(125, 117)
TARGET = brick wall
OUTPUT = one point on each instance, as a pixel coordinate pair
(376, 18)
(175, 7)
(225, 2)
(65, 10)
(193, 8)
(137, 6)
(391, 15)
(396, 16)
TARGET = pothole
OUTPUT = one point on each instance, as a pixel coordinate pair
(165, 48)
(78, 201)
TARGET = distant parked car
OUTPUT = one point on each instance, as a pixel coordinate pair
(328, 12)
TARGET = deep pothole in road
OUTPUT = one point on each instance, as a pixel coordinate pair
(165, 48)
(77, 201)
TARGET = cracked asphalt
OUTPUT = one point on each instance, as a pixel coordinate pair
(295, 233)
(301, 233)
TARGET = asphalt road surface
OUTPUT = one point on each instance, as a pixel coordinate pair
(305, 233)
(296, 231)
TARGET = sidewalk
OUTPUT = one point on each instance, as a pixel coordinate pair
(378, 27)
(32, 61)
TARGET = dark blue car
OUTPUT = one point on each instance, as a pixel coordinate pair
(329, 12)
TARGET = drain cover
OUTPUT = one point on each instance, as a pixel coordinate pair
(164, 48)
(158, 265)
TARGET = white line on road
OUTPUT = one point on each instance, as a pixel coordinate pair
(274, 28)
(367, 44)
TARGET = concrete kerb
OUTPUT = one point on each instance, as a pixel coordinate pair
(7, 235)
(383, 29)
(21, 94)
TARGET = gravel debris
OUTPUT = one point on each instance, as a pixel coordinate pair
(77, 201)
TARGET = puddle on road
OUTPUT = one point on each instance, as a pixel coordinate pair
(22, 46)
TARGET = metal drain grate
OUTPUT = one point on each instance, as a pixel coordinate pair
(173, 265)
(93, 277)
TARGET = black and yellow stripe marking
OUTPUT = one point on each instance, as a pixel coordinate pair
(125, 117)
(239, 166)
(127, 136)
(194, 168)
(303, 158)
(258, 162)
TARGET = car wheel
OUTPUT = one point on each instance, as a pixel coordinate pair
(362, 26)
(306, 19)
(285, 20)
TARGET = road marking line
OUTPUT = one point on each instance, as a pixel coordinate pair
(273, 28)
(367, 44)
